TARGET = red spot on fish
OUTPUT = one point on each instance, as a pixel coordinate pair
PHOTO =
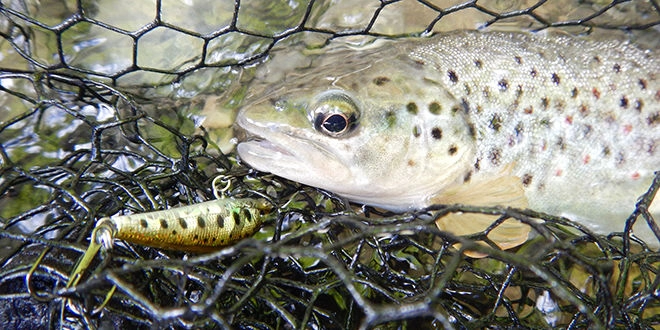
(583, 109)
(529, 110)
(559, 172)
(569, 119)
(596, 93)
(657, 95)
(635, 176)
(586, 159)
(627, 129)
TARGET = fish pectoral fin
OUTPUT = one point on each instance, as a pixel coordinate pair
(505, 190)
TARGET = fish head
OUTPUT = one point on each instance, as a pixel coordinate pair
(380, 132)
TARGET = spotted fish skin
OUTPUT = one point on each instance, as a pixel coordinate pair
(556, 123)
(579, 120)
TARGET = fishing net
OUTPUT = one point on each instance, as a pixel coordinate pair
(104, 110)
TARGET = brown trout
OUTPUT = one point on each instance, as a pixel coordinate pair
(555, 123)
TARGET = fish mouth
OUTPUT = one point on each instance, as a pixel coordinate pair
(261, 142)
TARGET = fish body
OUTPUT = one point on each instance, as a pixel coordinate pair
(551, 122)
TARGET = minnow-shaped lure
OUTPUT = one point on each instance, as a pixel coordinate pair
(199, 227)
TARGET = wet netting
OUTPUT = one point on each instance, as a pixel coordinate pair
(104, 110)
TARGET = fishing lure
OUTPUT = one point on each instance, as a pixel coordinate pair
(201, 227)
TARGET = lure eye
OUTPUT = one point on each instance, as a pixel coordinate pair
(335, 114)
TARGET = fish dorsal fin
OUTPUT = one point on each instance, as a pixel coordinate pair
(498, 190)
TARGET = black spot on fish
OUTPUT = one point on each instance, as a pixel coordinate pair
(587, 129)
(527, 179)
(467, 176)
(504, 84)
(519, 129)
(467, 88)
(472, 131)
(561, 144)
(486, 92)
(518, 59)
(453, 149)
(495, 156)
(606, 151)
(623, 102)
(220, 221)
(144, 224)
(495, 122)
(196, 237)
(436, 133)
(163, 224)
(236, 217)
(596, 59)
(452, 76)
(533, 73)
(478, 64)
(545, 102)
(642, 84)
(246, 215)
(380, 81)
(555, 79)
(466, 105)
(574, 92)
(174, 233)
(390, 117)
(435, 108)
(477, 166)
(183, 223)
(616, 68)
(416, 131)
(620, 158)
(519, 92)
(200, 222)
(420, 62)
(412, 108)
(653, 119)
(639, 105)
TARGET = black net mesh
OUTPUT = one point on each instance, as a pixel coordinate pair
(100, 104)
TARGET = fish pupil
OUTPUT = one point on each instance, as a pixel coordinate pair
(335, 123)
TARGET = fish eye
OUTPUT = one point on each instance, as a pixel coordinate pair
(334, 114)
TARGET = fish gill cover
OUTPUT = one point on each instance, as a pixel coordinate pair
(104, 110)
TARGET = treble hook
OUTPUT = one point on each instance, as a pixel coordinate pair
(220, 193)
